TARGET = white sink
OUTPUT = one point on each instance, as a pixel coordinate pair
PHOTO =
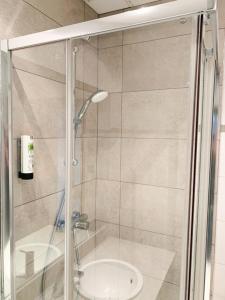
(43, 255)
(109, 279)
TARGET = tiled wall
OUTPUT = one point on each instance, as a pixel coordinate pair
(39, 107)
(142, 133)
(39, 104)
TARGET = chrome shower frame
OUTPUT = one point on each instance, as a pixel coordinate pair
(131, 19)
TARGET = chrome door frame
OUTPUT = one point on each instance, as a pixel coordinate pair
(6, 162)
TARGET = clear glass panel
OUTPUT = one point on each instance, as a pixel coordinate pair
(39, 110)
(132, 157)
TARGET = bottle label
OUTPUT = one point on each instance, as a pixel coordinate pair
(27, 154)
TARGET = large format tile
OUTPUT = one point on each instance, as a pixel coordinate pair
(89, 159)
(88, 199)
(49, 171)
(158, 31)
(18, 18)
(75, 200)
(110, 69)
(159, 64)
(155, 114)
(169, 292)
(159, 210)
(109, 116)
(47, 60)
(108, 163)
(221, 155)
(37, 214)
(162, 241)
(107, 201)
(221, 197)
(220, 243)
(63, 12)
(221, 13)
(110, 40)
(39, 106)
(159, 162)
(90, 65)
(219, 275)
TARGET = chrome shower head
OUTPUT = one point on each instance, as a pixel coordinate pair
(95, 98)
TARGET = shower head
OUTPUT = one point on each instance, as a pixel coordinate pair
(99, 96)
(95, 98)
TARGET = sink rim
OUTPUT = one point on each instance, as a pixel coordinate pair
(19, 247)
(139, 277)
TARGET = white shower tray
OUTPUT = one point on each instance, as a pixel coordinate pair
(109, 279)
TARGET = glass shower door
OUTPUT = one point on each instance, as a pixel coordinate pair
(130, 179)
(39, 110)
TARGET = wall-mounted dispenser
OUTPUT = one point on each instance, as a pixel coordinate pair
(26, 157)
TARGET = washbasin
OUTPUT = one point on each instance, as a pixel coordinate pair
(109, 279)
(42, 254)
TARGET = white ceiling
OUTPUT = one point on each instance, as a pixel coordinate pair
(104, 6)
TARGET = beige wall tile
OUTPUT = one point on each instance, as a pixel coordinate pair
(162, 241)
(46, 60)
(151, 238)
(110, 40)
(221, 11)
(110, 69)
(155, 114)
(89, 158)
(107, 201)
(39, 106)
(64, 12)
(108, 164)
(19, 18)
(221, 155)
(220, 243)
(90, 65)
(76, 199)
(169, 292)
(105, 230)
(157, 31)
(167, 66)
(219, 275)
(88, 199)
(158, 210)
(35, 215)
(49, 171)
(221, 197)
(109, 116)
(89, 13)
(154, 162)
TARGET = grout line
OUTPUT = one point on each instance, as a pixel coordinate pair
(43, 13)
(39, 75)
(144, 230)
(143, 138)
(37, 199)
(151, 90)
(146, 41)
(143, 184)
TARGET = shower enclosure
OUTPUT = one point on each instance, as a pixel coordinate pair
(124, 113)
